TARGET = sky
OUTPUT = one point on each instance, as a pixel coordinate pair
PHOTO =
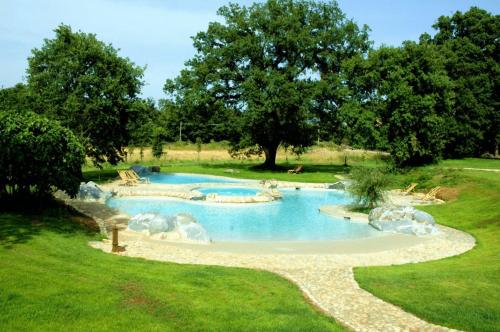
(157, 33)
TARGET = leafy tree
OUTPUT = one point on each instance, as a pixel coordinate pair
(412, 95)
(16, 99)
(37, 155)
(88, 87)
(471, 44)
(368, 186)
(264, 69)
(158, 137)
(199, 143)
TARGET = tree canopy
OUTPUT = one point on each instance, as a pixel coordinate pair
(36, 155)
(88, 87)
(269, 69)
(471, 44)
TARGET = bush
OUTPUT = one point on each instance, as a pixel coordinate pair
(368, 187)
(37, 155)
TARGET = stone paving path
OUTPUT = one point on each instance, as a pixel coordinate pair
(327, 279)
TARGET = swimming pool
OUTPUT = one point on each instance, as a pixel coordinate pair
(229, 191)
(180, 178)
(295, 217)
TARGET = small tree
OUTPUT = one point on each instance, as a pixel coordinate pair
(157, 148)
(198, 147)
(37, 155)
(368, 187)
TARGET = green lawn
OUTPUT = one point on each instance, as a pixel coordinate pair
(461, 292)
(51, 280)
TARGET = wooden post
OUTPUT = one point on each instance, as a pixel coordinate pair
(115, 239)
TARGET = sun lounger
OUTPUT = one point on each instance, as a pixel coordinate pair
(408, 189)
(126, 179)
(296, 170)
(432, 193)
(135, 177)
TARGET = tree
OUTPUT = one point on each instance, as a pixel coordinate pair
(472, 48)
(410, 89)
(368, 186)
(37, 155)
(88, 87)
(263, 67)
(158, 137)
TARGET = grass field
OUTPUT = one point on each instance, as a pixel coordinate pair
(461, 292)
(51, 280)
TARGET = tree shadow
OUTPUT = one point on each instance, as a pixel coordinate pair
(19, 226)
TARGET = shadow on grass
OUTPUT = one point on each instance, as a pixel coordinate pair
(20, 225)
(99, 176)
(281, 168)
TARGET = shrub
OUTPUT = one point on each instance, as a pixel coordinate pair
(368, 187)
(38, 155)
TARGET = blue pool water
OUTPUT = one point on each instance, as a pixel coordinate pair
(178, 178)
(229, 191)
(293, 218)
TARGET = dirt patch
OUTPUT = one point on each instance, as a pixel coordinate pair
(135, 297)
(448, 194)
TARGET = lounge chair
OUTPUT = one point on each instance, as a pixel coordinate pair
(135, 177)
(432, 193)
(126, 179)
(409, 189)
(296, 170)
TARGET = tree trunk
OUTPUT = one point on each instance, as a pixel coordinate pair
(270, 153)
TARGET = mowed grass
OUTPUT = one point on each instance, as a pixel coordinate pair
(51, 280)
(462, 292)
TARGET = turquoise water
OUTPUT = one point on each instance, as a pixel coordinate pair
(293, 218)
(229, 191)
(177, 178)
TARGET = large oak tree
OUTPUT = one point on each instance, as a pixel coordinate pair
(270, 67)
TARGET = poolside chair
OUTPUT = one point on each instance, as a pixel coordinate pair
(135, 177)
(409, 189)
(126, 180)
(296, 170)
(432, 193)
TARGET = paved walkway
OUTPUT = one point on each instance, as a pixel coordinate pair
(327, 279)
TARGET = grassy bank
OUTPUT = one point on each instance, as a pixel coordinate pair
(461, 292)
(53, 281)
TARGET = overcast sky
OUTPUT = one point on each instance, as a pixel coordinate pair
(157, 33)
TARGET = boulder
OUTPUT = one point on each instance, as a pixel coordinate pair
(182, 227)
(273, 193)
(151, 222)
(90, 191)
(193, 231)
(339, 185)
(406, 219)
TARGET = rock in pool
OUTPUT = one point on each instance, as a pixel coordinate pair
(406, 220)
(90, 191)
(182, 227)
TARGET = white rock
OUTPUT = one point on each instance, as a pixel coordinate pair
(407, 220)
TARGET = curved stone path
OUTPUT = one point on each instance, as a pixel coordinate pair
(327, 279)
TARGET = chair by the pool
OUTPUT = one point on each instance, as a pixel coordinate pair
(296, 170)
(126, 180)
(432, 193)
(409, 189)
(135, 177)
